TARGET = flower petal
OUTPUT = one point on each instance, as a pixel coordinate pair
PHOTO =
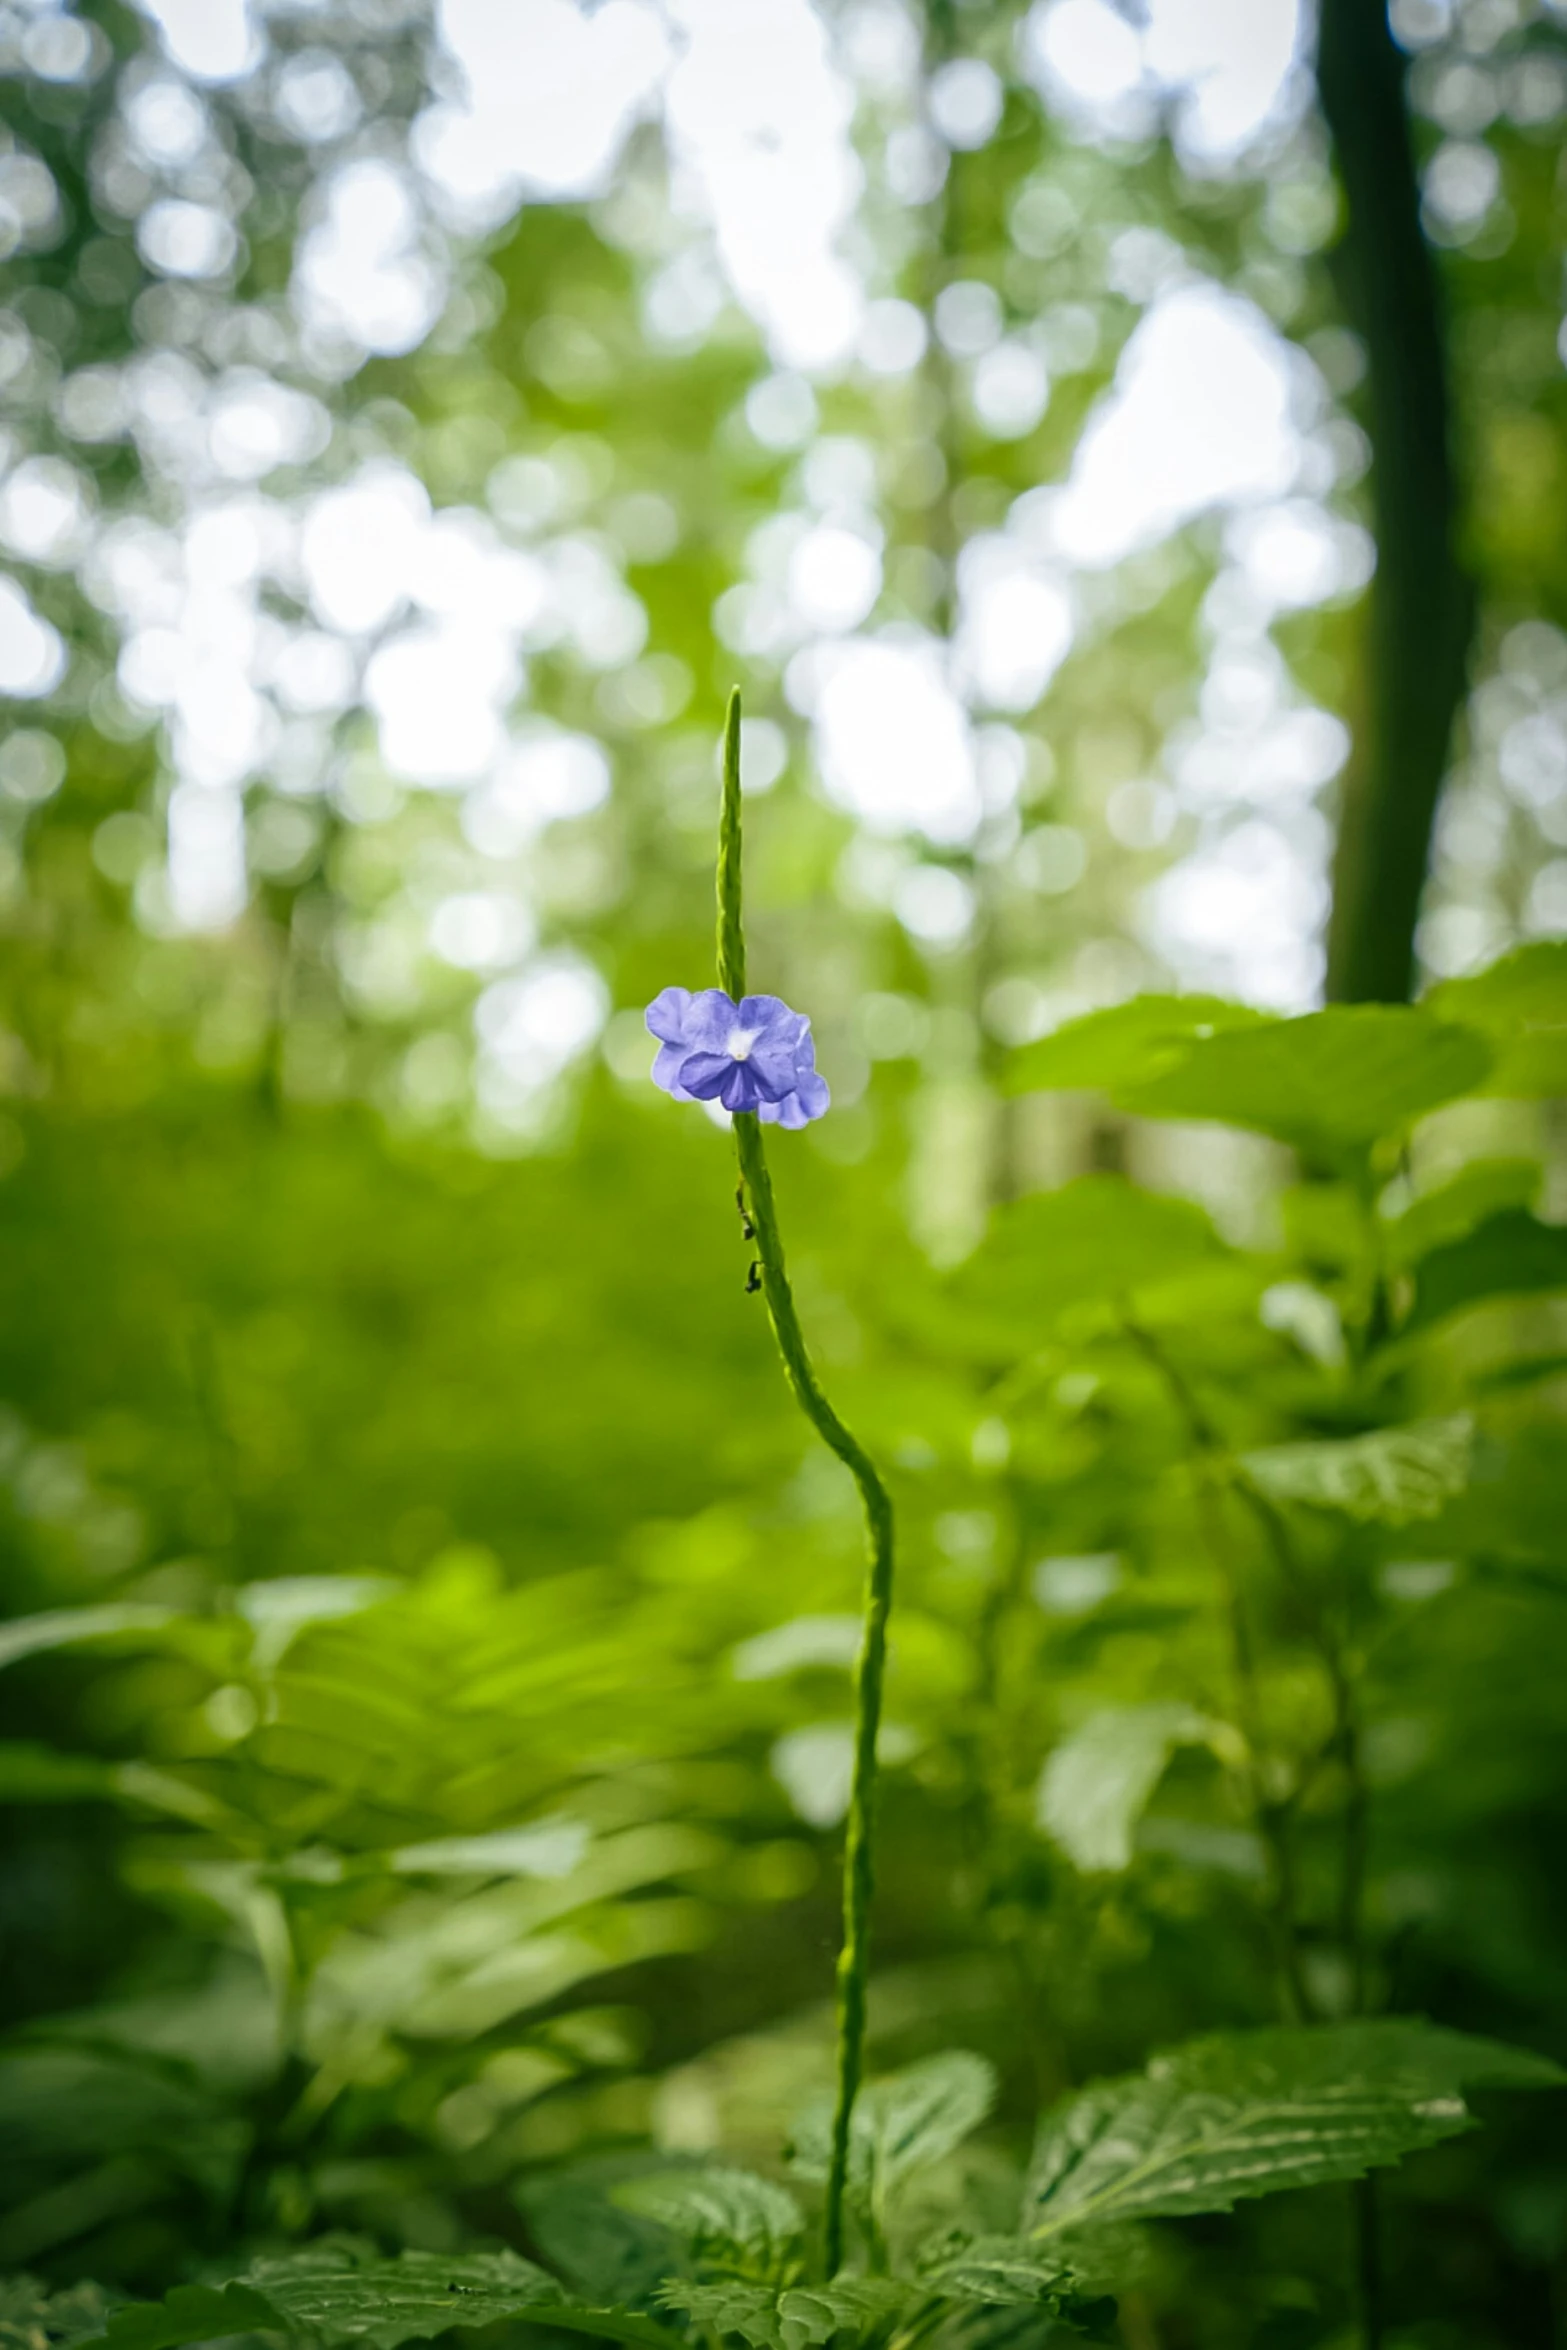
(666, 1018)
(771, 1063)
(770, 1015)
(711, 1021)
(704, 1075)
(739, 1090)
(667, 1064)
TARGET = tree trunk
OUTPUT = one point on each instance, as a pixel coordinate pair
(1422, 604)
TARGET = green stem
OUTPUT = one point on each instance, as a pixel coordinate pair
(870, 1668)
(871, 1665)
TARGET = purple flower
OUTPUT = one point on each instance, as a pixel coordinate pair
(754, 1055)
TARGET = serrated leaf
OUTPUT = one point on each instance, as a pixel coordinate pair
(903, 2124)
(1331, 1082)
(795, 2319)
(919, 2116)
(1124, 1043)
(1096, 1785)
(330, 2296)
(717, 2212)
(1389, 1477)
(388, 2302)
(1009, 2271)
(1248, 2113)
(1510, 1255)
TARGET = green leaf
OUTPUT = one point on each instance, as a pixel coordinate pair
(191, 2313)
(1527, 988)
(1247, 2113)
(33, 2318)
(717, 2211)
(994, 2271)
(1531, 1067)
(1511, 1255)
(1331, 1082)
(1097, 1783)
(67, 1626)
(1123, 1044)
(603, 2251)
(1520, 1003)
(70, 2105)
(1454, 1208)
(1515, 1503)
(1390, 1477)
(794, 2319)
(330, 2295)
(388, 2302)
(1097, 1237)
(921, 2115)
(902, 2124)
(1009, 2271)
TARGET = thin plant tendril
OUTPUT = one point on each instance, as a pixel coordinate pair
(871, 1664)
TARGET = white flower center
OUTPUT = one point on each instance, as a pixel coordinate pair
(739, 1043)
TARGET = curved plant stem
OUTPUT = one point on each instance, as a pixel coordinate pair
(871, 1664)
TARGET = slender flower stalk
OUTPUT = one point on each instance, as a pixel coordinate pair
(870, 1667)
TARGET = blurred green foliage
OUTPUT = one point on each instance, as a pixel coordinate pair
(428, 1628)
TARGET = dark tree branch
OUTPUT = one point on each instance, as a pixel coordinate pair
(1422, 604)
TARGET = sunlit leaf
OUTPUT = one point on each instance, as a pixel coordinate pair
(1247, 2113)
(549, 1848)
(1388, 1477)
(902, 2125)
(1123, 1044)
(1098, 1781)
(717, 2211)
(797, 2319)
(1521, 1004)
(1331, 1082)
(328, 2296)
(69, 1627)
(1009, 2271)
